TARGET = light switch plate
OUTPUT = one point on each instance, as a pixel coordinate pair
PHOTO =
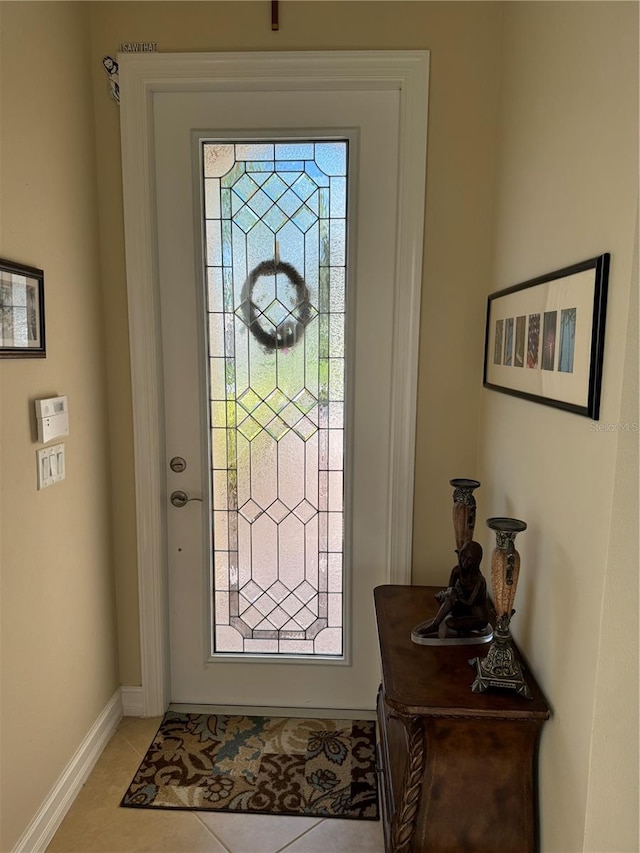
(51, 465)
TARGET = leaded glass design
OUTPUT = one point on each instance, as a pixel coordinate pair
(275, 228)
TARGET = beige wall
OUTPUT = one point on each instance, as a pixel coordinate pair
(464, 40)
(614, 759)
(567, 190)
(59, 662)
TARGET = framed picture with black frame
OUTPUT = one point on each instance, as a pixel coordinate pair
(544, 338)
(22, 333)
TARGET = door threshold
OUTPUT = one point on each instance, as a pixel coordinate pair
(266, 711)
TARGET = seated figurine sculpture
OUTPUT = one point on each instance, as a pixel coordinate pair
(464, 615)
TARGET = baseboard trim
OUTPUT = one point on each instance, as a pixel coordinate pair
(49, 816)
(132, 702)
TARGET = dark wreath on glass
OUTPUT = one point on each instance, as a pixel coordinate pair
(292, 329)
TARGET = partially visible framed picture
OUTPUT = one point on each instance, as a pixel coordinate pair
(21, 311)
(544, 338)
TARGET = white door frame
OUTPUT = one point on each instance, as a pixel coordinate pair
(141, 75)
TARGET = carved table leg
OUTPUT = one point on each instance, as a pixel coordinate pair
(404, 818)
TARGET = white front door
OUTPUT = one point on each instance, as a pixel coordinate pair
(273, 209)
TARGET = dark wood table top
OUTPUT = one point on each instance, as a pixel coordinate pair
(436, 680)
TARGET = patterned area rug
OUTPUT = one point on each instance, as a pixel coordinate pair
(267, 765)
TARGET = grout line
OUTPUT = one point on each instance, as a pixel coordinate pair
(124, 740)
(211, 832)
(122, 734)
(135, 748)
(302, 835)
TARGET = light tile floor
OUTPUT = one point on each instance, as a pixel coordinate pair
(95, 822)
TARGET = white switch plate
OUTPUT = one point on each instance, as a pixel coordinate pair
(51, 465)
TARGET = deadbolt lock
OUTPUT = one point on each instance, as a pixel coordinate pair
(178, 464)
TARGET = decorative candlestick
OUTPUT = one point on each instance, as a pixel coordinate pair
(501, 667)
(464, 510)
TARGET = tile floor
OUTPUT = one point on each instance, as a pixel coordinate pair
(96, 824)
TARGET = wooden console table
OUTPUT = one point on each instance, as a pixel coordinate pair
(458, 769)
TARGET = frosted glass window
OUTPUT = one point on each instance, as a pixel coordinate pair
(276, 244)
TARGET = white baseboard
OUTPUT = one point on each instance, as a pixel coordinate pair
(49, 816)
(132, 702)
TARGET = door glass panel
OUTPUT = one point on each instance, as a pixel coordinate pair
(276, 245)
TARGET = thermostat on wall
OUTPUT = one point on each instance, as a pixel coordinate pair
(52, 416)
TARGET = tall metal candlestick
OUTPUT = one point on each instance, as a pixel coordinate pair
(464, 509)
(501, 667)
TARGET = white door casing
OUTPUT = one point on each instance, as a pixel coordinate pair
(143, 76)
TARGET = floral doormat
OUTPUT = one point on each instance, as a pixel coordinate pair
(266, 765)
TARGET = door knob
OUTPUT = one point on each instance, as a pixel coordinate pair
(180, 498)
